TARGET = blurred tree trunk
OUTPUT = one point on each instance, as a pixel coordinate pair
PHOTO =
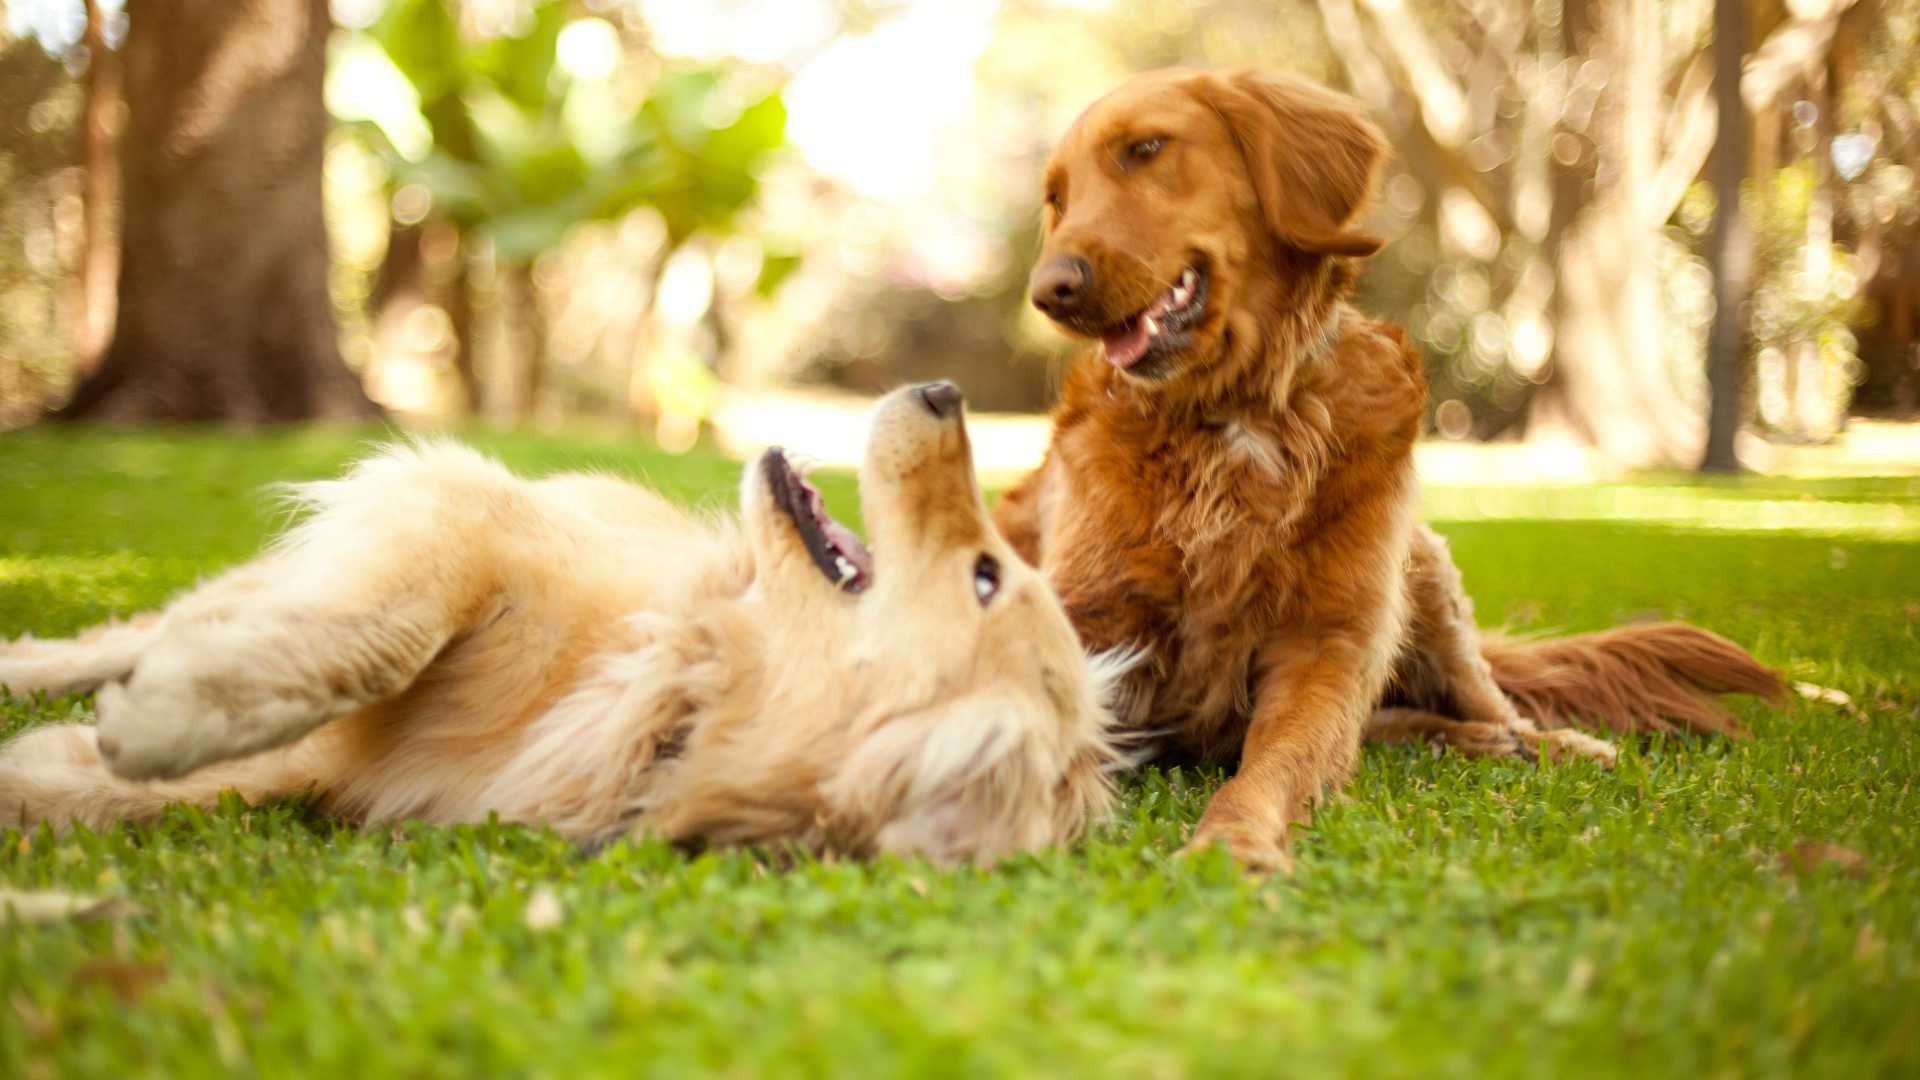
(402, 271)
(460, 316)
(525, 359)
(1730, 256)
(223, 306)
(1612, 384)
(99, 260)
(1810, 409)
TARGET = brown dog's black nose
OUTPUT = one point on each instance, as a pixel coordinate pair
(1060, 285)
(942, 398)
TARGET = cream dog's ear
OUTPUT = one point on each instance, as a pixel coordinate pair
(1311, 153)
(971, 779)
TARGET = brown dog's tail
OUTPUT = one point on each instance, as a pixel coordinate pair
(1657, 677)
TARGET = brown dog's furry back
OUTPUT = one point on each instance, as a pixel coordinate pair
(1654, 677)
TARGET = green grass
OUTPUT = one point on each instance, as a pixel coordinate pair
(1447, 917)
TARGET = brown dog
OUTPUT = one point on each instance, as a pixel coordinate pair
(1230, 484)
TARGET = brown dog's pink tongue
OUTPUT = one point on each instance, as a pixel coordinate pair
(1126, 347)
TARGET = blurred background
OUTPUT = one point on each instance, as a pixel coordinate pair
(727, 220)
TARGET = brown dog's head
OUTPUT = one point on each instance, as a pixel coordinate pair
(1182, 197)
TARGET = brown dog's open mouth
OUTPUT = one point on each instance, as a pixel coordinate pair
(834, 548)
(1163, 325)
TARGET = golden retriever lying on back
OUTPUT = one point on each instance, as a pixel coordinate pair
(440, 640)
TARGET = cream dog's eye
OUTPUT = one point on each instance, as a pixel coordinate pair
(1144, 150)
(986, 578)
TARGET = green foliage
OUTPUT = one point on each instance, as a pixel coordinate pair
(1789, 301)
(1448, 917)
(525, 151)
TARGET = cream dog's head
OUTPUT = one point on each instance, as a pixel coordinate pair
(926, 695)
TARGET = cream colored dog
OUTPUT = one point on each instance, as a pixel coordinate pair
(440, 640)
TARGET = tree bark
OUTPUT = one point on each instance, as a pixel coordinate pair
(1612, 384)
(99, 259)
(460, 315)
(1729, 256)
(525, 355)
(224, 312)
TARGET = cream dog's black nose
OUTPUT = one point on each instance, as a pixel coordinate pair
(942, 397)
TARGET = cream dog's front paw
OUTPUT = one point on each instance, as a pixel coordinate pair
(185, 707)
(156, 728)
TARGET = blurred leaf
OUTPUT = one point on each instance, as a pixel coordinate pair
(678, 104)
(523, 67)
(774, 270)
(424, 43)
(505, 157)
(523, 234)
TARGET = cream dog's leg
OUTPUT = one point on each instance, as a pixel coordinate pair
(100, 655)
(55, 774)
(108, 652)
(226, 683)
(345, 611)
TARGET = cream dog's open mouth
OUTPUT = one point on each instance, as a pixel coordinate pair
(1164, 325)
(834, 548)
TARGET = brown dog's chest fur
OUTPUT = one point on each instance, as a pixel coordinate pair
(1202, 537)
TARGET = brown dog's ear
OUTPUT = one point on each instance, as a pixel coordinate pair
(1311, 153)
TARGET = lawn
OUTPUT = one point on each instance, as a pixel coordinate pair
(1706, 908)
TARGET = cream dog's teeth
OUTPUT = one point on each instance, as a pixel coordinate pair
(846, 569)
(1186, 278)
(1152, 327)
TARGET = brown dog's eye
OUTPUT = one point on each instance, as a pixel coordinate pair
(1143, 151)
(986, 578)
(1056, 202)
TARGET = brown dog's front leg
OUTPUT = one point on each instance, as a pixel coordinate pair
(1310, 706)
(1020, 514)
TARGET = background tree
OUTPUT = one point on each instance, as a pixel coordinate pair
(508, 147)
(1726, 340)
(223, 306)
(551, 207)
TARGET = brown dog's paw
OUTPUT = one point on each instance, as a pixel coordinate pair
(1253, 849)
(1487, 739)
(1560, 745)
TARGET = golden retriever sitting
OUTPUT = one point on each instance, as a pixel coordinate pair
(1230, 482)
(440, 640)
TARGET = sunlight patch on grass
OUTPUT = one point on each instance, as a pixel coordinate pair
(115, 580)
(62, 569)
(1675, 507)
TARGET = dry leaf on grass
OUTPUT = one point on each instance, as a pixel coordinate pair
(1809, 855)
(128, 979)
(544, 911)
(49, 905)
(1827, 694)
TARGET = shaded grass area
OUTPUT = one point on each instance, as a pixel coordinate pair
(1447, 917)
